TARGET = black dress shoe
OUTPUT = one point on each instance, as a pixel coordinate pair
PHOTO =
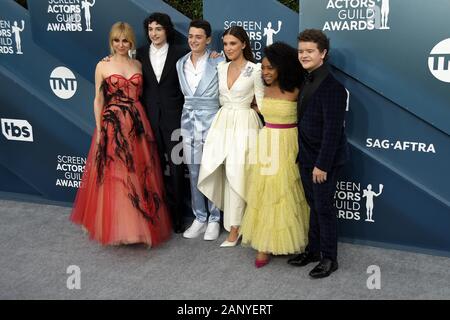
(179, 228)
(324, 268)
(304, 258)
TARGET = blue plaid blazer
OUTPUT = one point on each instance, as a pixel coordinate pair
(321, 136)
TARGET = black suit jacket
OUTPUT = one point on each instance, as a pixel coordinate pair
(322, 140)
(163, 101)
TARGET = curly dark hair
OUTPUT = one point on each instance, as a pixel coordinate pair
(241, 34)
(317, 36)
(284, 58)
(164, 20)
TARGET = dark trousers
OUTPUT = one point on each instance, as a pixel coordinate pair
(174, 184)
(323, 220)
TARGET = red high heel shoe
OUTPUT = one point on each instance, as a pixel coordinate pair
(261, 263)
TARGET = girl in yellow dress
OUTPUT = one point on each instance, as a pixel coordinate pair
(276, 218)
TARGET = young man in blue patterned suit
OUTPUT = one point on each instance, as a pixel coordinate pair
(323, 150)
(197, 72)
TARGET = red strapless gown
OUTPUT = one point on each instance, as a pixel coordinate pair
(120, 200)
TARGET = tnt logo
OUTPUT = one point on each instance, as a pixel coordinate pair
(63, 82)
(18, 130)
(439, 61)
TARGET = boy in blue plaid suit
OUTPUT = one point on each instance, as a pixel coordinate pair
(323, 150)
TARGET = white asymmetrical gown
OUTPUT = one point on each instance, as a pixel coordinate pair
(229, 142)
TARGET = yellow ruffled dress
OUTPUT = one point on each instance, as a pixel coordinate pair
(276, 219)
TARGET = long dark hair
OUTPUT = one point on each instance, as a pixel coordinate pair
(240, 33)
(284, 58)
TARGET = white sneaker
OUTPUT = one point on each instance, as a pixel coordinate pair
(196, 229)
(212, 232)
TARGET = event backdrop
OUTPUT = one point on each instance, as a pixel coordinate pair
(265, 21)
(48, 57)
(392, 56)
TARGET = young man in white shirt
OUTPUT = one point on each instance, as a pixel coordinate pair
(163, 101)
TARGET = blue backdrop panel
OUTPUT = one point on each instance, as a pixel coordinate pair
(265, 21)
(397, 120)
(47, 73)
(393, 61)
(81, 49)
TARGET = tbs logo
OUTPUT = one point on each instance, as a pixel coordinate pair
(19, 130)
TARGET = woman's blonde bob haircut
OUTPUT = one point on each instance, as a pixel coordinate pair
(121, 29)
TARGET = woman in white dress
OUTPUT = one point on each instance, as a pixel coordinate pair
(227, 149)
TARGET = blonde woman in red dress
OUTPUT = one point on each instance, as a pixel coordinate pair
(121, 196)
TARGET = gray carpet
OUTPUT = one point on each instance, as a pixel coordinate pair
(38, 243)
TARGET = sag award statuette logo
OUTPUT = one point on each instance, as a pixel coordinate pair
(16, 30)
(269, 32)
(261, 33)
(369, 195)
(8, 32)
(67, 15)
(350, 197)
(86, 5)
(358, 15)
(384, 12)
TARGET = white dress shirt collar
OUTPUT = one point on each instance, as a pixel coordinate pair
(161, 51)
(158, 59)
(194, 74)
